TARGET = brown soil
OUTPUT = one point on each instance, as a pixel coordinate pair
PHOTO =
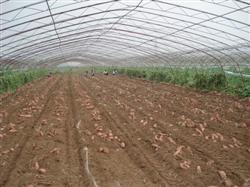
(135, 133)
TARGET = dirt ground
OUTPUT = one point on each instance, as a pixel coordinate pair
(112, 131)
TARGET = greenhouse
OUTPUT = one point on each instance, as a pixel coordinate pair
(125, 93)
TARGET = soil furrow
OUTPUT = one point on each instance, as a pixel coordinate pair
(136, 151)
(23, 140)
(84, 180)
(179, 105)
(106, 165)
(220, 160)
(136, 133)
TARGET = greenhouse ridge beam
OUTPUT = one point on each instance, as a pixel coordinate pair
(127, 25)
(52, 46)
(209, 13)
(130, 19)
(46, 25)
(164, 31)
(100, 24)
(203, 36)
(54, 24)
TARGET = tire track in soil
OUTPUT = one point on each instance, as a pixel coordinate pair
(211, 128)
(160, 157)
(12, 111)
(204, 154)
(68, 155)
(14, 95)
(26, 97)
(156, 166)
(47, 148)
(185, 141)
(152, 174)
(203, 99)
(106, 167)
(23, 140)
(164, 157)
(22, 123)
(50, 148)
(95, 160)
(230, 131)
(23, 95)
(136, 152)
(179, 90)
(74, 134)
(181, 111)
(172, 121)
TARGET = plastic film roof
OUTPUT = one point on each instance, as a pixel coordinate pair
(125, 32)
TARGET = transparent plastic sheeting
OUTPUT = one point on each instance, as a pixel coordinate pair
(203, 33)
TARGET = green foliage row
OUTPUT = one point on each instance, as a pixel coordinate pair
(205, 79)
(11, 80)
(210, 81)
(136, 73)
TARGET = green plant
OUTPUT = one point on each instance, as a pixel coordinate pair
(136, 73)
(201, 81)
(11, 80)
(158, 76)
(208, 79)
(217, 80)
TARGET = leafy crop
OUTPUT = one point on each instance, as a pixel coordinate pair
(205, 79)
(11, 80)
